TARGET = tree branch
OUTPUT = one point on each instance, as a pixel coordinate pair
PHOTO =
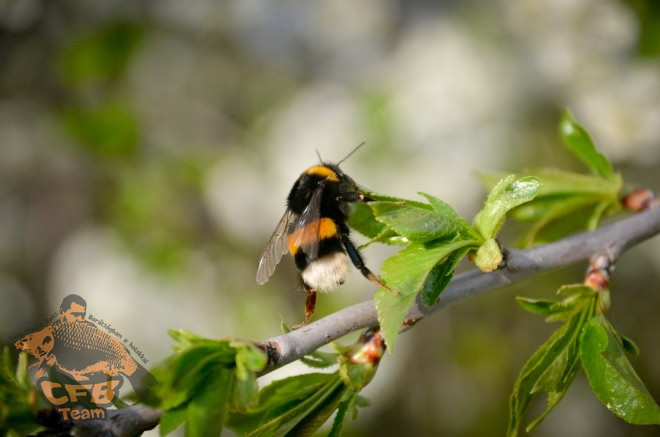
(129, 421)
(613, 240)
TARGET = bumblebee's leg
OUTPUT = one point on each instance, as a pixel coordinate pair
(358, 262)
(310, 306)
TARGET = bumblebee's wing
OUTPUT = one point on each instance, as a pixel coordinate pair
(275, 248)
(305, 233)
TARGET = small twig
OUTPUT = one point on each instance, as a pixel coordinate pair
(129, 421)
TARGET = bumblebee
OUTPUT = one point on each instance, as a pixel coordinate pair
(314, 230)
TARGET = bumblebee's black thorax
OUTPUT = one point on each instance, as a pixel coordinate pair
(303, 189)
(335, 185)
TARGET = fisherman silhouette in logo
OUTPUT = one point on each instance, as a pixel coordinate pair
(73, 309)
(81, 351)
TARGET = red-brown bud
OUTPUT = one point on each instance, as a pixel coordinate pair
(638, 200)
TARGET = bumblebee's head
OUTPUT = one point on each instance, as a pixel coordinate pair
(331, 173)
(328, 175)
(343, 178)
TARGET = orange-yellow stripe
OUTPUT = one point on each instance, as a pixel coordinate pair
(323, 171)
(326, 229)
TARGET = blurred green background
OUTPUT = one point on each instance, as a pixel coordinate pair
(147, 148)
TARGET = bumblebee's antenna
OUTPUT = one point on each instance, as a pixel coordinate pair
(352, 152)
(319, 155)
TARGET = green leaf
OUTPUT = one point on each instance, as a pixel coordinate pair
(629, 346)
(320, 360)
(647, 18)
(185, 373)
(612, 377)
(579, 290)
(295, 388)
(300, 405)
(566, 202)
(200, 381)
(418, 224)
(557, 182)
(545, 209)
(578, 141)
(392, 199)
(344, 407)
(361, 401)
(207, 409)
(249, 360)
(559, 376)
(7, 366)
(440, 277)
(317, 417)
(578, 221)
(285, 403)
(553, 398)
(597, 214)
(507, 194)
(18, 397)
(22, 374)
(550, 369)
(406, 272)
(575, 214)
(172, 419)
(576, 298)
(445, 210)
(413, 220)
(536, 306)
(356, 375)
(362, 220)
(489, 256)
(184, 339)
(393, 220)
(388, 236)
